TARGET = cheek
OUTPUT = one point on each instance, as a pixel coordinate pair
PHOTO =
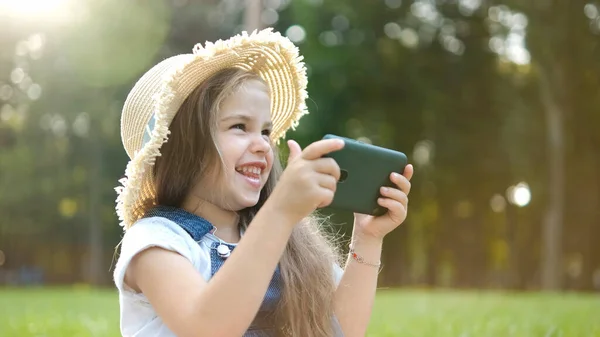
(229, 153)
(212, 174)
(270, 158)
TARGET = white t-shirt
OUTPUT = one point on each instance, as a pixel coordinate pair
(137, 316)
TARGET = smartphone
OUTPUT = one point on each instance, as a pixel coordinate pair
(365, 168)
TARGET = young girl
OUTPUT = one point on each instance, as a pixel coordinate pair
(220, 240)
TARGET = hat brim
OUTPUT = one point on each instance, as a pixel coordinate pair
(160, 92)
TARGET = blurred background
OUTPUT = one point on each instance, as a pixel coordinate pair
(496, 103)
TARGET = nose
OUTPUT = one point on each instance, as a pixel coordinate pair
(260, 144)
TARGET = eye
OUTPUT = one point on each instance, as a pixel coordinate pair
(239, 126)
(266, 132)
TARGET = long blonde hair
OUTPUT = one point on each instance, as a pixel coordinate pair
(306, 304)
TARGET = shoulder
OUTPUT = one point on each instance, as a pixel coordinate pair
(148, 233)
(155, 231)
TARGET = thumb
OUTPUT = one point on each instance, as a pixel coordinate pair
(295, 150)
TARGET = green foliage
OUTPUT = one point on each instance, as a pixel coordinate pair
(431, 79)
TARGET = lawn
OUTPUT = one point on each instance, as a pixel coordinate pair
(81, 312)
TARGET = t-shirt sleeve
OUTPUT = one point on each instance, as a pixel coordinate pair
(146, 233)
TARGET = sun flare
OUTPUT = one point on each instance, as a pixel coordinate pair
(33, 8)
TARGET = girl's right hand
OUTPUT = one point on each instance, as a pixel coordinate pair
(309, 180)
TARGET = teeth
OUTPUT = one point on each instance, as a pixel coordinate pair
(250, 169)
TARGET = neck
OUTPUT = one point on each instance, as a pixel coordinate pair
(225, 221)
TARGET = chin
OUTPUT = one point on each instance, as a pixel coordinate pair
(246, 203)
(245, 199)
(240, 202)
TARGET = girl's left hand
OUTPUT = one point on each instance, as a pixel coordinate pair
(395, 200)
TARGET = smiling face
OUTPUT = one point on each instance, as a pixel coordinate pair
(218, 156)
(243, 126)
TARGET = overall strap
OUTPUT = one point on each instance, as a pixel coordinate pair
(198, 227)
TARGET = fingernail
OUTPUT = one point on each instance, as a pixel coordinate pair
(396, 175)
(384, 189)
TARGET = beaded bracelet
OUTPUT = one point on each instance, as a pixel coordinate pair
(361, 260)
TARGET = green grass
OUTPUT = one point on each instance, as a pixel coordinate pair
(81, 312)
(470, 314)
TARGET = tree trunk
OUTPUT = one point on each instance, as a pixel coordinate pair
(548, 40)
(553, 221)
(252, 15)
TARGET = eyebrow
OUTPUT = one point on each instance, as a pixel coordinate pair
(245, 118)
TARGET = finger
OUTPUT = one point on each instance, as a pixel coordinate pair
(394, 194)
(327, 166)
(327, 181)
(327, 198)
(295, 150)
(401, 181)
(396, 211)
(409, 170)
(322, 147)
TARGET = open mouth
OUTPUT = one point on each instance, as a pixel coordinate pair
(250, 171)
(251, 174)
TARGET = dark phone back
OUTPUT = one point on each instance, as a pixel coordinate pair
(365, 168)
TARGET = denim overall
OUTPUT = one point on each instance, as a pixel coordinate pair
(197, 227)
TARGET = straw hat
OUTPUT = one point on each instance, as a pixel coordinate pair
(157, 96)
